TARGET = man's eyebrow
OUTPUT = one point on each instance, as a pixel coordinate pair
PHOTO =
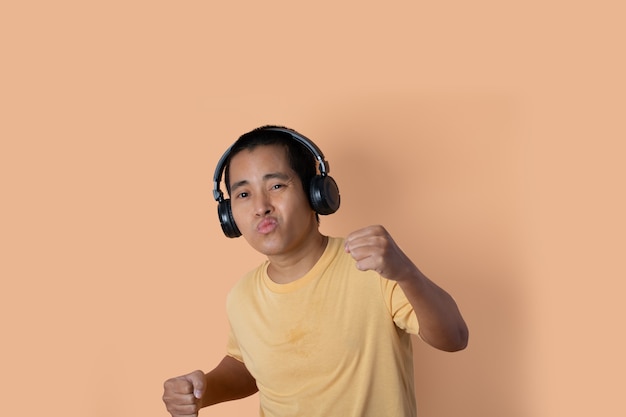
(276, 175)
(238, 184)
(270, 176)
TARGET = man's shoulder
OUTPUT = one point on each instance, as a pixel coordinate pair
(247, 281)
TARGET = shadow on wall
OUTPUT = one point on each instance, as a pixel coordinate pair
(442, 174)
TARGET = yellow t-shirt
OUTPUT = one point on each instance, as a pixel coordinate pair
(334, 343)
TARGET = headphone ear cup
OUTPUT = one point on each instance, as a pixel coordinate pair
(324, 195)
(227, 221)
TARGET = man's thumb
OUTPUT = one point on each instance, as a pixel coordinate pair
(197, 381)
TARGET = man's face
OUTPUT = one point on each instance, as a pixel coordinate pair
(268, 202)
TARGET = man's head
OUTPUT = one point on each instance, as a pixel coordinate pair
(302, 157)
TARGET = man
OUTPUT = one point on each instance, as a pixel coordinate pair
(322, 328)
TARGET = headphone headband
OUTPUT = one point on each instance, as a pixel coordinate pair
(324, 167)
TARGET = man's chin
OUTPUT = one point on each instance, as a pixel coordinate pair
(267, 245)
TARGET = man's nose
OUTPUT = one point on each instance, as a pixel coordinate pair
(262, 204)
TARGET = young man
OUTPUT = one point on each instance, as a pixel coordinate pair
(322, 328)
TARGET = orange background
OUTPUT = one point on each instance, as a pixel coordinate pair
(486, 136)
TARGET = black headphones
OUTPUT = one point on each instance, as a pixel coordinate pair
(323, 195)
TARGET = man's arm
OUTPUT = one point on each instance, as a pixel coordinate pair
(185, 395)
(441, 323)
(230, 380)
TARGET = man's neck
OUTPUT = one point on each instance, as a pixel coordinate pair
(284, 269)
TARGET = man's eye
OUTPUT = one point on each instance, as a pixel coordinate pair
(277, 186)
(242, 195)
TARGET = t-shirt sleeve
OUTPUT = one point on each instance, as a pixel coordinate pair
(232, 346)
(399, 307)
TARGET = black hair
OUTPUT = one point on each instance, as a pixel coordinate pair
(300, 159)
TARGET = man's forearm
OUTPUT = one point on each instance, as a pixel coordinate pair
(230, 380)
(441, 323)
